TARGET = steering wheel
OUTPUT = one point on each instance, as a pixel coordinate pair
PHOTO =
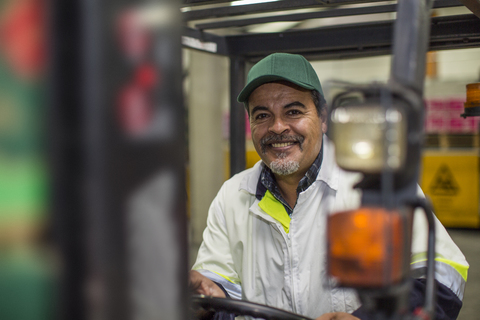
(245, 308)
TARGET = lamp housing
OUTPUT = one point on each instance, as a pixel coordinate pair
(369, 247)
(369, 138)
(472, 105)
(377, 130)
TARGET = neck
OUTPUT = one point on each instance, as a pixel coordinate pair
(288, 187)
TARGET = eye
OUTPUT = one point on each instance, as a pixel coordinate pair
(260, 116)
(294, 112)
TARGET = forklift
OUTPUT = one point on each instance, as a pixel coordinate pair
(377, 131)
(117, 126)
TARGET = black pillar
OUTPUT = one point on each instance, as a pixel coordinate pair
(67, 159)
(237, 116)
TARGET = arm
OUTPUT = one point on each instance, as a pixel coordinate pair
(447, 305)
(450, 271)
(451, 268)
(203, 285)
(215, 260)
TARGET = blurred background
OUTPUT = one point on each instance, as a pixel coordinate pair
(29, 267)
(450, 170)
(114, 140)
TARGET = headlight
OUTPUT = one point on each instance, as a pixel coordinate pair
(369, 138)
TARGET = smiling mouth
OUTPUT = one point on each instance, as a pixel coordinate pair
(280, 141)
(282, 144)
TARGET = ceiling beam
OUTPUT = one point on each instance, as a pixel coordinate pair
(336, 42)
(473, 5)
(316, 15)
(228, 11)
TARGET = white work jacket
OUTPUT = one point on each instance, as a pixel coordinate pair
(264, 258)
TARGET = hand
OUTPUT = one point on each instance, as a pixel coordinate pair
(337, 316)
(202, 285)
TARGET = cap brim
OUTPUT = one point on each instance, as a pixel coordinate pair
(254, 84)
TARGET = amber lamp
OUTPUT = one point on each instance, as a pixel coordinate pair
(368, 247)
(472, 105)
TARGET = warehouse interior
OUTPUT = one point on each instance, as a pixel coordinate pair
(77, 261)
(449, 137)
(208, 147)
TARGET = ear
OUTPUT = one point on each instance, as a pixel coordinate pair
(324, 126)
(323, 117)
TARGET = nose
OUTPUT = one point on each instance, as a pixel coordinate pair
(278, 126)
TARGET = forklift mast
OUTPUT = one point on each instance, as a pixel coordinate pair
(117, 135)
(117, 140)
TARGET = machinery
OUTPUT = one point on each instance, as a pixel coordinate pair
(377, 130)
(116, 142)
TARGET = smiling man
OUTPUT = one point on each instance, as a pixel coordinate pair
(266, 228)
(287, 132)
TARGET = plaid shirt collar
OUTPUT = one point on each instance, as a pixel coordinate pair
(267, 181)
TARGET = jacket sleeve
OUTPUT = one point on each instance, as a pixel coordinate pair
(447, 303)
(451, 270)
(451, 267)
(214, 258)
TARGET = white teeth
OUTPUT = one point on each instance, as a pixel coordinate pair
(280, 145)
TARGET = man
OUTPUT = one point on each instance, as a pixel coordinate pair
(265, 235)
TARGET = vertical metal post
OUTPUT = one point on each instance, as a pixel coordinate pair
(410, 45)
(66, 157)
(237, 116)
(105, 184)
(411, 41)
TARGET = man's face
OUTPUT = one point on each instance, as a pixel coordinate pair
(286, 128)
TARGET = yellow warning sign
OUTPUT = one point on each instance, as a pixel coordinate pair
(451, 180)
(443, 183)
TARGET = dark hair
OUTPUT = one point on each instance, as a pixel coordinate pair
(319, 102)
(317, 98)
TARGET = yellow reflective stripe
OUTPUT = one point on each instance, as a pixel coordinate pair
(275, 209)
(461, 269)
(419, 257)
(226, 278)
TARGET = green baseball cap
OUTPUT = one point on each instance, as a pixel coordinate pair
(293, 68)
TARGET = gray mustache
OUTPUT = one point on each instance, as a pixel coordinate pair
(280, 138)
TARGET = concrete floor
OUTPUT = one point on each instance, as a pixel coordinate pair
(469, 242)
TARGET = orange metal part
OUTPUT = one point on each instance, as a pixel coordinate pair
(366, 247)
(473, 95)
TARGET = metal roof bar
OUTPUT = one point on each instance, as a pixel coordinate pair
(203, 2)
(461, 31)
(204, 41)
(473, 5)
(336, 42)
(316, 15)
(227, 11)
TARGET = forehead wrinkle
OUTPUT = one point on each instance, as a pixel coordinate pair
(259, 108)
(295, 104)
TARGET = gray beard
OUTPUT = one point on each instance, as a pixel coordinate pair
(283, 167)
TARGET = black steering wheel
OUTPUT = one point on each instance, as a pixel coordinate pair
(244, 308)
